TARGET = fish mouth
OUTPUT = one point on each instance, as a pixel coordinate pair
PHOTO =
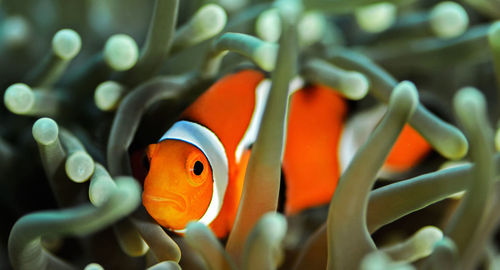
(169, 199)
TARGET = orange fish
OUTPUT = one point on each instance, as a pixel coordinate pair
(197, 168)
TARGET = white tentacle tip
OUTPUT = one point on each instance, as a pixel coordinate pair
(45, 131)
(100, 190)
(449, 19)
(130, 186)
(194, 230)
(108, 94)
(265, 56)
(406, 94)
(19, 98)
(93, 266)
(275, 225)
(268, 25)
(355, 85)
(311, 28)
(467, 99)
(66, 44)
(378, 260)
(210, 20)
(425, 239)
(121, 52)
(377, 17)
(79, 166)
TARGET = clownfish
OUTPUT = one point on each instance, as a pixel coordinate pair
(197, 168)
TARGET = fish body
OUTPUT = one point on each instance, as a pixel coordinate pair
(197, 169)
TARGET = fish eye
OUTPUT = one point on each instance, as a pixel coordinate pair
(198, 168)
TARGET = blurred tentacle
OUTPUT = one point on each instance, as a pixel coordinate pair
(166, 265)
(263, 249)
(66, 44)
(416, 247)
(346, 225)
(158, 42)
(262, 179)
(25, 248)
(466, 223)
(200, 238)
(445, 138)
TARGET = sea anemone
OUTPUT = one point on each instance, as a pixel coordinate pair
(78, 106)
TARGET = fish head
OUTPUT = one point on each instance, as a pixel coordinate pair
(179, 185)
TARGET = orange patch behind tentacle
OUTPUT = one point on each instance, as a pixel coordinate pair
(409, 149)
(310, 162)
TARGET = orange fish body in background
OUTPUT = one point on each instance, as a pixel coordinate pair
(197, 168)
